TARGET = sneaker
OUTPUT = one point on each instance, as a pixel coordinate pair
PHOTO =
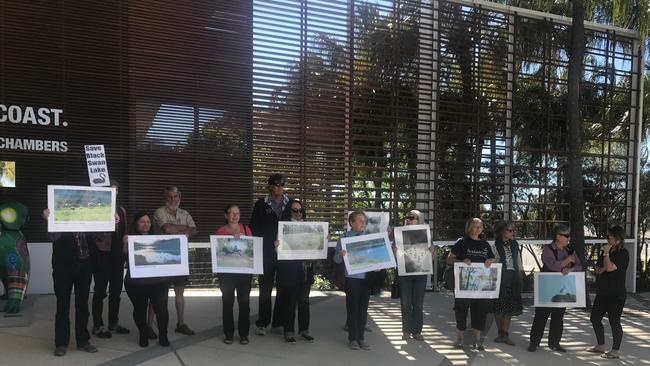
(478, 346)
(184, 329)
(101, 332)
(243, 340)
(367, 329)
(405, 336)
(418, 337)
(354, 345)
(88, 348)
(532, 348)
(163, 340)
(119, 329)
(290, 339)
(151, 333)
(260, 331)
(227, 340)
(364, 345)
(60, 351)
(508, 341)
(557, 348)
(458, 344)
(499, 339)
(306, 337)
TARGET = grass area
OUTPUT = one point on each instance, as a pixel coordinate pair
(83, 214)
(304, 241)
(235, 260)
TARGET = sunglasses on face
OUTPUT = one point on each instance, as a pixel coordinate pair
(566, 235)
(298, 210)
(278, 184)
(411, 218)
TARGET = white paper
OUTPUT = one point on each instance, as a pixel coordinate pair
(377, 221)
(230, 255)
(302, 240)
(158, 256)
(80, 209)
(413, 255)
(474, 281)
(555, 290)
(97, 167)
(366, 253)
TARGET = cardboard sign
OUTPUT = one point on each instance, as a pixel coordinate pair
(97, 167)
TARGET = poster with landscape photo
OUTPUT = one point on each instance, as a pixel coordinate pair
(302, 240)
(80, 208)
(413, 255)
(158, 256)
(230, 255)
(474, 281)
(555, 290)
(367, 253)
(377, 221)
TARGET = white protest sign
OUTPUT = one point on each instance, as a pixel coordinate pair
(97, 167)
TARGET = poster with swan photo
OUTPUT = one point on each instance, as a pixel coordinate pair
(80, 208)
(242, 255)
(158, 256)
(413, 255)
(555, 290)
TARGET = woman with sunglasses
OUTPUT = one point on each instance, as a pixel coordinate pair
(611, 293)
(295, 278)
(506, 251)
(556, 257)
(412, 291)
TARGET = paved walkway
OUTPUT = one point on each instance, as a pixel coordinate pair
(33, 345)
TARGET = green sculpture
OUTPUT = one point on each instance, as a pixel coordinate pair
(14, 256)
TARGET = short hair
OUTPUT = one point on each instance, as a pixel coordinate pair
(560, 229)
(229, 206)
(417, 214)
(275, 179)
(618, 233)
(471, 222)
(500, 227)
(356, 213)
(172, 189)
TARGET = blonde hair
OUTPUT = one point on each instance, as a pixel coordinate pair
(471, 222)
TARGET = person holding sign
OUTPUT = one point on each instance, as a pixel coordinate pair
(295, 278)
(412, 289)
(509, 303)
(611, 293)
(556, 257)
(357, 292)
(229, 282)
(143, 292)
(171, 219)
(471, 249)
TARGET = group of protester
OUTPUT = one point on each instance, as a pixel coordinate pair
(77, 257)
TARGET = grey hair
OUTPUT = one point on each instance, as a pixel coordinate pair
(560, 229)
(417, 214)
(172, 189)
(471, 222)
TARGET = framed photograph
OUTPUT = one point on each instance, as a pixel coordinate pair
(158, 256)
(302, 240)
(367, 253)
(413, 255)
(377, 221)
(7, 174)
(555, 290)
(474, 281)
(230, 255)
(80, 209)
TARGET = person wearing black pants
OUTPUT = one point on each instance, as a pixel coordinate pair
(611, 294)
(71, 269)
(147, 291)
(295, 278)
(471, 249)
(264, 223)
(556, 257)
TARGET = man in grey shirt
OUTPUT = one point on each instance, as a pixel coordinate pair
(172, 220)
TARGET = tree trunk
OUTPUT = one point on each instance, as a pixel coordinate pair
(574, 140)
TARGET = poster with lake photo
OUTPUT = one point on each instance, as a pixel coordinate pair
(366, 253)
(413, 255)
(377, 221)
(555, 290)
(230, 255)
(158, 255)
(302, 240)
(80, 208)
(474, 281)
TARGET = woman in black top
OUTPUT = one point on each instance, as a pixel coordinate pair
(506, 251)
(471, 249)
(611, 293)
(143, 291)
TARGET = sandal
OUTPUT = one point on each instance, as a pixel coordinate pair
(595, 349)
(610, 355)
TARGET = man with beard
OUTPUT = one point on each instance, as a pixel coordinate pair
(172, 220)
